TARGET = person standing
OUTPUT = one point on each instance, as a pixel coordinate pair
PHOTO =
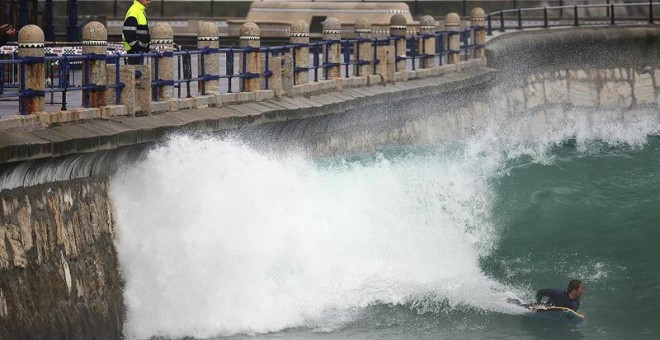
(136, 31)
(6, 31)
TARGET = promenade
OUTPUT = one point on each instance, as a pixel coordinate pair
(110, 104)
(114, 132)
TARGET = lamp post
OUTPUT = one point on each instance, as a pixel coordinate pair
(22, 13)
(3, 10)
(72, 32)
(50, 29)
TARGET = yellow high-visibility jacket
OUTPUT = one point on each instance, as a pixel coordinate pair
(136, 29)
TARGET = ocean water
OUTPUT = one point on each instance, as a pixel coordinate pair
(216, 239)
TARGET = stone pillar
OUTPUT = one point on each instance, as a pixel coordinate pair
(477, 20)
(427, 42)
(385, 67)
(364, 53)
(287, 74)
(398, 29)
(95, 42)
(208, 37)
(162, 39)
(127, 93)
(143, 90)
(249, 60)
(31, 44)
(300, 35)
(275, 80)
(332, 54)
(453, 24)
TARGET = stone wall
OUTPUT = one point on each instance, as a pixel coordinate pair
(605, 88)
(58, 267)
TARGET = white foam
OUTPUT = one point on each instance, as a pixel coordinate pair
(217, 239)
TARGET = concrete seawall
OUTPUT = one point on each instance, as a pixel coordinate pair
(58, 265)
(96, 135)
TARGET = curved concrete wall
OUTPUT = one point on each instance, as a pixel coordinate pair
(526, 52)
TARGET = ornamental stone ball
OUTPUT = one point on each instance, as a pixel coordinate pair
(427, 21)
(452, 20)
(162, 30)
(331, 24)
(478, 14)
(208, 29)
(95, 31)
(299, 26)
(250, 29)
(398, 20)
(31, 34)
(362, 24)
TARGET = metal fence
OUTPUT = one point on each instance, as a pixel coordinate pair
(67, 74)
(558, 16)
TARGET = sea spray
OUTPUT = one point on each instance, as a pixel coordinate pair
(215, 238)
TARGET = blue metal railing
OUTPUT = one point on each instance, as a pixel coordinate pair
(61, 77)
(539, 17)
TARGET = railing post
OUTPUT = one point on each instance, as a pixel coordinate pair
(612, 20)
(299, 37)
(332, 36)
(162, 39)
(502, 21)
(398, 30)
(31, 50)
(651, 19)
(477, 21)
(520, 19)
(490, 26)
(363, 50)
(427, 29)
(250, 42)
(95, 45)
(208, 38)
(453, 24)
(575, 16)
(545, 17)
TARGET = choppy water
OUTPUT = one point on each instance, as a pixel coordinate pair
(217, 239)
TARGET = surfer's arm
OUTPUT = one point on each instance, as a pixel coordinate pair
(541, 293)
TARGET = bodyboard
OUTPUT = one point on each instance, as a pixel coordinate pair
(557, 313)
(562, 314)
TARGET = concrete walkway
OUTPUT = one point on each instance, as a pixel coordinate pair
(115, 132)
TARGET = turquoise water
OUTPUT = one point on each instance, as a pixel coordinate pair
(410, 242)
(592, 215)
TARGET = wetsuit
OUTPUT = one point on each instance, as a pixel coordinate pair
(558, 298)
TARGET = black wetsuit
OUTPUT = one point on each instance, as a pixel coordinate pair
(558, 298)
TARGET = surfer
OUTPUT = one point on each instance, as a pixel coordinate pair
(569, 298)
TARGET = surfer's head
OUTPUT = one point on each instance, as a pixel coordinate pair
(575, 289)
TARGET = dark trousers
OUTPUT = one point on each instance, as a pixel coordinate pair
(134, 60)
